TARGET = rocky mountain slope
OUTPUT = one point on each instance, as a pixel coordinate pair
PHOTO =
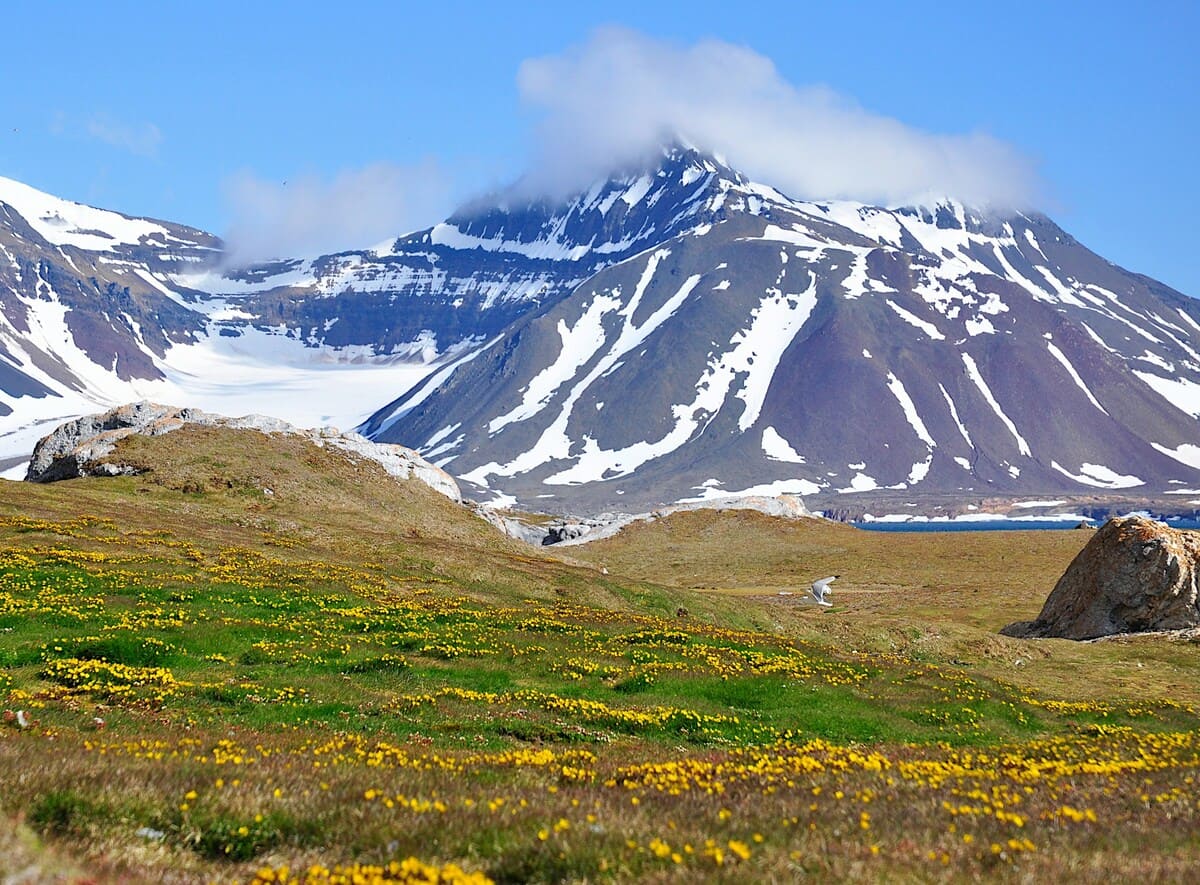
(674, 332)
(98, 309)
(828, 349)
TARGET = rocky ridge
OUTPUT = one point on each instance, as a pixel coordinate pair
(78, 448)
(572, 531)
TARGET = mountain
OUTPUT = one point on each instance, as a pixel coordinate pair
(98, 308)
(674, 332)
(826, 349)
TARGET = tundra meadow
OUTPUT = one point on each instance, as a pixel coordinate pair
(352, 679)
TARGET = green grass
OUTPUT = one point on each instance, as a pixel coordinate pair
(352, 636)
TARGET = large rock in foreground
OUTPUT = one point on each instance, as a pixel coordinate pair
(1136, 575)
(78, 448)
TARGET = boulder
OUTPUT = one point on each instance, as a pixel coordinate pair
(77, 448)
(559, 532)
(1135, 575)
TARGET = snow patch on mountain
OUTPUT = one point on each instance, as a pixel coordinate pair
(580, 343)
(954, 414)
(861, 482)
(1099, 476)
(777, 448)
(63, 223)
(910, 410)
(1066, 364)
(975, 376)
(1183, 393)
(712, 491)
(913, 320)
(1187, 453)
(554, 444)
(758, 350)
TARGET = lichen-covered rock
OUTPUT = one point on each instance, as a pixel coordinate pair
(78, 447)
(1135, 575)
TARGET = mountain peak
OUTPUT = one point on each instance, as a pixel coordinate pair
(617, 215)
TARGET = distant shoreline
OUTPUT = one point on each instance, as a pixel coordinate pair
(919, 524)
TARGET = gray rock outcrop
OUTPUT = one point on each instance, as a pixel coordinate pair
(78, 447)
(1135, 575)
(568, 532)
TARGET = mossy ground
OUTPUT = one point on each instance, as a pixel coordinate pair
(259, 654)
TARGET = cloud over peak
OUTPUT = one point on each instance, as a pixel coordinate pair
(614, 99)
(310, 215)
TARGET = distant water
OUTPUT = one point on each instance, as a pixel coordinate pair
(997, 525)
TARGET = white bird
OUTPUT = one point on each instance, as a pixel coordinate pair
(23, 719)
(820, 589)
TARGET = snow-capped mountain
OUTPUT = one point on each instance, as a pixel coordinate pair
(673, 332)
(97, 308)
(822, 348)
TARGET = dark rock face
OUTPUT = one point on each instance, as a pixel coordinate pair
(1135, 576)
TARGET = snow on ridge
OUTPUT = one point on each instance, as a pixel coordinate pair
(65, 223)
(875, 223)
(793, 235)
(977, 378)
(552, 249)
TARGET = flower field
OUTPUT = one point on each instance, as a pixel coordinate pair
(207, 688)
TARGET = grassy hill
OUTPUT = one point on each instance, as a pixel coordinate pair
(258, 654)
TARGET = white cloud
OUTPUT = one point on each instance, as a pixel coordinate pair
(308, 216)
(141, 139)
(612, 100)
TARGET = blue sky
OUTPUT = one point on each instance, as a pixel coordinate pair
(199, 114)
